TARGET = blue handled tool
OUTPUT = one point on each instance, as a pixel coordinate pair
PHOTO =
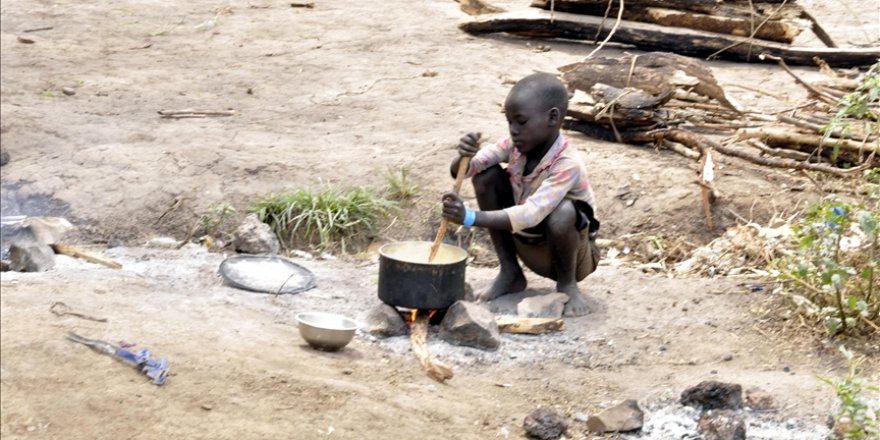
(156, 370)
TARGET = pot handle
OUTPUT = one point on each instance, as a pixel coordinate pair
(459, 178)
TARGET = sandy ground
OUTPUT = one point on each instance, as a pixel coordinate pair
(339, 94)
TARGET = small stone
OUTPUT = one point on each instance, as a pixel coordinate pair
(470, 325)
(347, 371)
(4, 157)
(721, 425)
(580, 417)
(69, 91)
(545, 424)
(786, 369)
(207, 407)
(713, 395)
(727, 357)
(759, 399)
(31, 257)
(623, 417)
(255, 237)
(542, 306)
(384, 321)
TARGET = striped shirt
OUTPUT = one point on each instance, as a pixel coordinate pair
(559, 175)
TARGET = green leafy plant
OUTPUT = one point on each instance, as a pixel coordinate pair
(862, 106)
(856, 419)
(329, 218)
(836, 264)
(399, 186)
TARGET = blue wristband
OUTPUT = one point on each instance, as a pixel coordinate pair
(469, 216)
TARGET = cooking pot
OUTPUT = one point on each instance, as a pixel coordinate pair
(407, 279)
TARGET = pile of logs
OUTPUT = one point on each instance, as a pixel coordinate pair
(772, 20)
(674, 102)
(737, 30)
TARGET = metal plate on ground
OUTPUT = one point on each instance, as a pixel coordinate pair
(266, 273)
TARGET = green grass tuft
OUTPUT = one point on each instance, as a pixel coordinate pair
(328, 219)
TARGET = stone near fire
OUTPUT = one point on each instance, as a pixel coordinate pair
(31, 257)
(543, 306)
(721, 425)
(255, 237)
(623, 417)
(471, 325)
(545, 424)
(713, 395)
(759, 399)
(4, 157)
(48, 230)
(384, 321)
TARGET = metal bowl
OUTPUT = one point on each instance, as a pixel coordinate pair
(326, 331)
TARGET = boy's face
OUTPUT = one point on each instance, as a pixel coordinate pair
(532, 125)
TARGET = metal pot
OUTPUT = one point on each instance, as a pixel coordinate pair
(407, 279)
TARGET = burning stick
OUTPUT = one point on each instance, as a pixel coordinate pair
(419, 338)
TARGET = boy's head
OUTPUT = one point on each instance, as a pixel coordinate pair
(534, 109)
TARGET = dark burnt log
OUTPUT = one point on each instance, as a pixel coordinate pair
(623, 108)
(651, 37)
(732, 9)
(657, 73)
(724, 20)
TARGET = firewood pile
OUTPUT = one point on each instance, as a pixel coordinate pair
(674, 102)
(737, 30)
(771, 20)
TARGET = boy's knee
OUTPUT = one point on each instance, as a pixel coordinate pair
(489, 179)
(562, 218)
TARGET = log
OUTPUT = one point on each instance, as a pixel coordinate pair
(652, 37)
(782, 135)
(529, 326)
(70, 251)
(772, 30)
(733, 9)
(722, 21)
(419, 339)
(658, 73)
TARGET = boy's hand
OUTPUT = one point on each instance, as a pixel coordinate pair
(469, 144)
(453, 208)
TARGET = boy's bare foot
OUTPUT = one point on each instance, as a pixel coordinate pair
(576, 306)
(506, 282)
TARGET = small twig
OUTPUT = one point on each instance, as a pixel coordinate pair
(780, 152)
(39, 29)
(613, 30)
(308, 5)
(758, 90)
(823, 96)
(192, 113)
(59, 308)
(602, 24)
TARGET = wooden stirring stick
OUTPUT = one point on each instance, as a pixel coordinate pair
(462, 170)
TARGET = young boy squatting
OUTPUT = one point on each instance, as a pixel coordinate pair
(540, 208)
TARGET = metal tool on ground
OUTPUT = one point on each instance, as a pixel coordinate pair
(156, 370)
(459, 178)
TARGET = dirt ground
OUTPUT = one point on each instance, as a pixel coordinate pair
(339, 94)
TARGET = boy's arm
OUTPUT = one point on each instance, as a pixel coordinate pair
(454, 210)
(481, 158)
